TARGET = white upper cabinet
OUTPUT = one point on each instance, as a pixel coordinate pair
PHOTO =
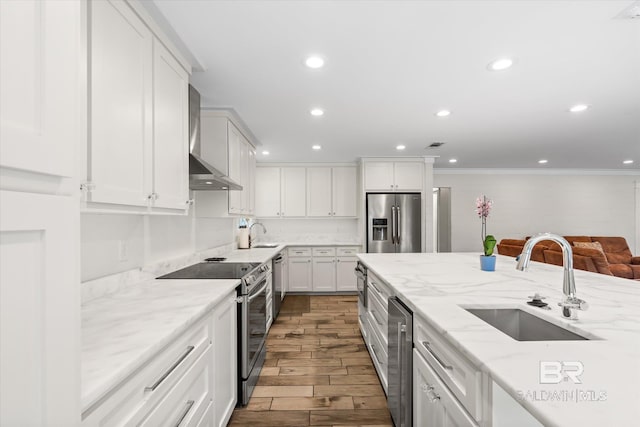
(241, 161)
(292, 192)
(267, 192)
(121, 105)
(170, 125)
(319, 191)
(138, 116)
(39, 85)
(280, 192)
(331, 191)
(344, 194)
(394, 176)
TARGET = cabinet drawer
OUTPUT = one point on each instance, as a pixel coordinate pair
(462, 378)
(377, 287)
(324, 251)
(187, 401)
(348, 251)
(378, 316)
(432, 400)
(378, 352)
(294, 252)
(133, 398)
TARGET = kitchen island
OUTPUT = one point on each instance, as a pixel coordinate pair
(437, 288)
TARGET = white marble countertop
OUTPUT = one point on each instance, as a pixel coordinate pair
(122, 331)
(435, 286)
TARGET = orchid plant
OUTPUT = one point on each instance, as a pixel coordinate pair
(483, 208)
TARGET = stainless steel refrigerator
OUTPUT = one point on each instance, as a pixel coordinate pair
(394, 222)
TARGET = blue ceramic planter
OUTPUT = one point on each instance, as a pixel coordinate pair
(488, 263)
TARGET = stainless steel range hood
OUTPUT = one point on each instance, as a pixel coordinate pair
(202, 176)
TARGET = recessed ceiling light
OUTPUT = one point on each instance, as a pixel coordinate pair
(627, 162)
(208, 182)
(443, 113)
(543, 161)
(500, 64)
(266, 153)
(314, 62)
(400, 147)
(579, 108)
(453, 160)
(316, 147)
(317, 112)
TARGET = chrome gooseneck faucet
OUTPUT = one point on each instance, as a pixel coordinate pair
(570, 303)
(264, 230)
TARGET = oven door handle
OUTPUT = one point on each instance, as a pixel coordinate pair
(258, 292)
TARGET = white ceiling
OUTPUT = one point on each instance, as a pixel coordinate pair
(391, 65)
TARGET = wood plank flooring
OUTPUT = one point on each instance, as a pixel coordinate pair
(317, 371)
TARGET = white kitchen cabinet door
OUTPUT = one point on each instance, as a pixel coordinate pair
(433, 403)
(225, 381)
(344, 194)
(251, 184)
(121, 105)
(170, 131)
(378, 176)
(267, 192)
(319, 192)
(345, 274)
(300, 274)
(39, 310)
(39, 72)
(408, 176)
(324, 274)
(293, 192)
(235, 168)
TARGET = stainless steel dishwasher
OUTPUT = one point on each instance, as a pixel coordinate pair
(400, 368)
(278, 281)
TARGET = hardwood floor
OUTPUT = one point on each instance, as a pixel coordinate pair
(318, 371)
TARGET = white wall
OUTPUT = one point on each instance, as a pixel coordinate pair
(145, 240)
(308, 230)
(528, 202)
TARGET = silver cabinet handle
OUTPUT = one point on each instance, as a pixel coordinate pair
(427, 345)
(187, 407)
(373, 284)
(373, 349)
(373, 313)
(170, 370)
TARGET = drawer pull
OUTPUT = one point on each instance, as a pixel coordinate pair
(373, 313)
(185, 411)
(427, 345)
(376, 288)
(373, 349)
(168, 372)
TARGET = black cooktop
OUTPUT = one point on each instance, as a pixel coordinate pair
(213, 270)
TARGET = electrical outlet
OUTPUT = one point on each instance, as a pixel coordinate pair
(123, 250)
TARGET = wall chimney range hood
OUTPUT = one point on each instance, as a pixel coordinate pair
(202, 176)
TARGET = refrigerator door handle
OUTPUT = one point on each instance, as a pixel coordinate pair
(398, 231)
(393, 224)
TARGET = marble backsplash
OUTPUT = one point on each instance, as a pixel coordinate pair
(102, 286)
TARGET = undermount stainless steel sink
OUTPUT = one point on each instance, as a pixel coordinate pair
(264, 245)
(522, 326)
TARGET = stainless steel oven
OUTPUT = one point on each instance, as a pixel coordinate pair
(253, 329)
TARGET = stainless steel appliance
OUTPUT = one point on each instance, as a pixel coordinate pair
(252, 314)
(361, 279)
(394, 222)
(400, 367)
(278, 284)
(202, 175)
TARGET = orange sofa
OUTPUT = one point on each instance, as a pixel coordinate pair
(615, 259)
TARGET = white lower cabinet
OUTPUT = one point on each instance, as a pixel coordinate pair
(299, 273)
(192, 382)
(324, 274)
(322, 269)
(225, 360)
(433, 403)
